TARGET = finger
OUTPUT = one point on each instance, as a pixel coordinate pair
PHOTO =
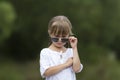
(72, 39)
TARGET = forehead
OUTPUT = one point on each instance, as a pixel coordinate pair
(60, 35)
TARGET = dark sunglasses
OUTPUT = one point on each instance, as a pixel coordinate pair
(55, 39)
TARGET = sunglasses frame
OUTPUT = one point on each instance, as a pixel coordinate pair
(56, 39)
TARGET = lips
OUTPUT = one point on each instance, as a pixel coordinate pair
(59, 43)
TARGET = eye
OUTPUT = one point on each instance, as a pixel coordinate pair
(55, 39)
(64, 39)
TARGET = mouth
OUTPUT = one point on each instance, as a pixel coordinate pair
(59, 43)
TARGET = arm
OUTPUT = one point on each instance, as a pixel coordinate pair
(56, 69)
(76, 59)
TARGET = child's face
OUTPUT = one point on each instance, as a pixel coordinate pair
(59, 40)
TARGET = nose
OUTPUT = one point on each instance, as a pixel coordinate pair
(60, 39)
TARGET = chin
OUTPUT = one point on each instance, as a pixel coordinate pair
(59, 45)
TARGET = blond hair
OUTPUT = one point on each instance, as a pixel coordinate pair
(60, 25)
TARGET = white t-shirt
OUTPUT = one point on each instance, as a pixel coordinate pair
(50, 58)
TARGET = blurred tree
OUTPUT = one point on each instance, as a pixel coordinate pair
(99, 25)
(7, 18)
(95, 23)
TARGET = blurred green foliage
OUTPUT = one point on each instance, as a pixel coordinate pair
(23, 33)
(7, 18)
(107, 69)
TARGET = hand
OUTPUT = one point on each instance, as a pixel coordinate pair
(73, 41)
(69, 62)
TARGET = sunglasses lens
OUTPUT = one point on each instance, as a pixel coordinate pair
(64, 40)
(55, 39)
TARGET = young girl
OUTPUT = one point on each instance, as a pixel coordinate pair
(58, 62)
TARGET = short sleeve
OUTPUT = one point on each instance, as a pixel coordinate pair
(81, 67)
(44, 61)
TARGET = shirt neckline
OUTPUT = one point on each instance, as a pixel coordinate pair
(57, 51)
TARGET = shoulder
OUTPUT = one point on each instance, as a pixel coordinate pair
(44, 51)
(69, 49)
(69, 52)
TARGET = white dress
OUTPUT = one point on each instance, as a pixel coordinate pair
(50, 58)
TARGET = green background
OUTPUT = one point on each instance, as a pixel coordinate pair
(23, 33)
